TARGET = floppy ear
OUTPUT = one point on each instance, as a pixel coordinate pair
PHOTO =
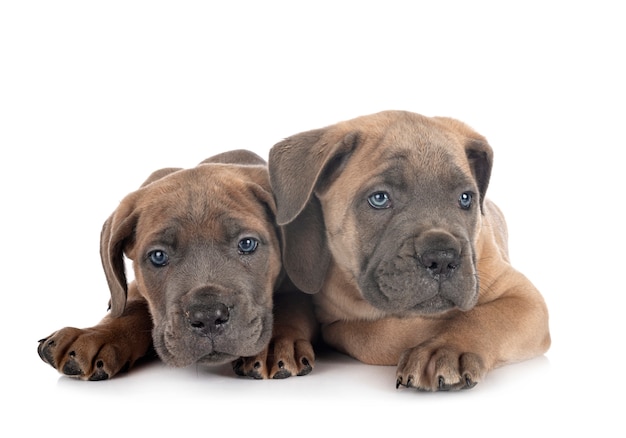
(117, 232)
(237, 156)
(299, 166)
(260, 187)
(480, 157)
(158, 174)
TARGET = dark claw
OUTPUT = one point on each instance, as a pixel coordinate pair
(409, 382)
(469, 383)
(307, 367)
(71, 368)
(238, 369)
(282, 374)
(398, 382)
(44, 353)
(99, 375)
(255, 375)
(441, 384)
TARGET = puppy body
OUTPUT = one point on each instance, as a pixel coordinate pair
(206, 258)
(407, 260)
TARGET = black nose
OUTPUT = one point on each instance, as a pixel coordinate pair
(440, 263)
(208, 318)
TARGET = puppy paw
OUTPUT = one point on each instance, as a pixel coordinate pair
(281, 359)
(291, 358)
(86, 354)
(253, 366)
(439, 369)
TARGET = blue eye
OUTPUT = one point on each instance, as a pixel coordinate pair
(465, 200)
(158, 258)
(247, 245)
(379, 200)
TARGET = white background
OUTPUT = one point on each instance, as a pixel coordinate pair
(96, 95)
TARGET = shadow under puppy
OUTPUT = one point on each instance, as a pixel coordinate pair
(207, 265)
(387, 224)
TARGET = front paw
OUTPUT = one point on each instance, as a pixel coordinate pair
(426, 368)
(84, 354)
(281, 359)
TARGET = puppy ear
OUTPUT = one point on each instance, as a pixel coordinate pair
(303, 163)
(480, 157)
(299, 166)
(306, 256)
(117, 233)
(158, 174)
(237, 156)
(261, 189)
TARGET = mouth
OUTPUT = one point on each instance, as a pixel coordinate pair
(179, 344)
(433, 306)
(405, 285)
(181, 351)
(216, 358)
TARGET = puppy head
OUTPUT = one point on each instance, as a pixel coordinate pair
(394, 199)
(206, 257)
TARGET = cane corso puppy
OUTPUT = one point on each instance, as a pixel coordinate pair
(205, 250)
(388, 226)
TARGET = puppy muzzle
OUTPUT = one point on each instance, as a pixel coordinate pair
(428, 274)
(212, 324)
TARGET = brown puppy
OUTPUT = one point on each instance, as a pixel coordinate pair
(387, 224)
(206, 257)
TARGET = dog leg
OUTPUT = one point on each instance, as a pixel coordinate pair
(452, 352)
(290, 352)
(104, 350)
(425, 359)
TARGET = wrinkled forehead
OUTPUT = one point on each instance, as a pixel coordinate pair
(411, 148)
(200, 206)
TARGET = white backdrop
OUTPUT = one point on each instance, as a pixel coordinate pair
(96, 95)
